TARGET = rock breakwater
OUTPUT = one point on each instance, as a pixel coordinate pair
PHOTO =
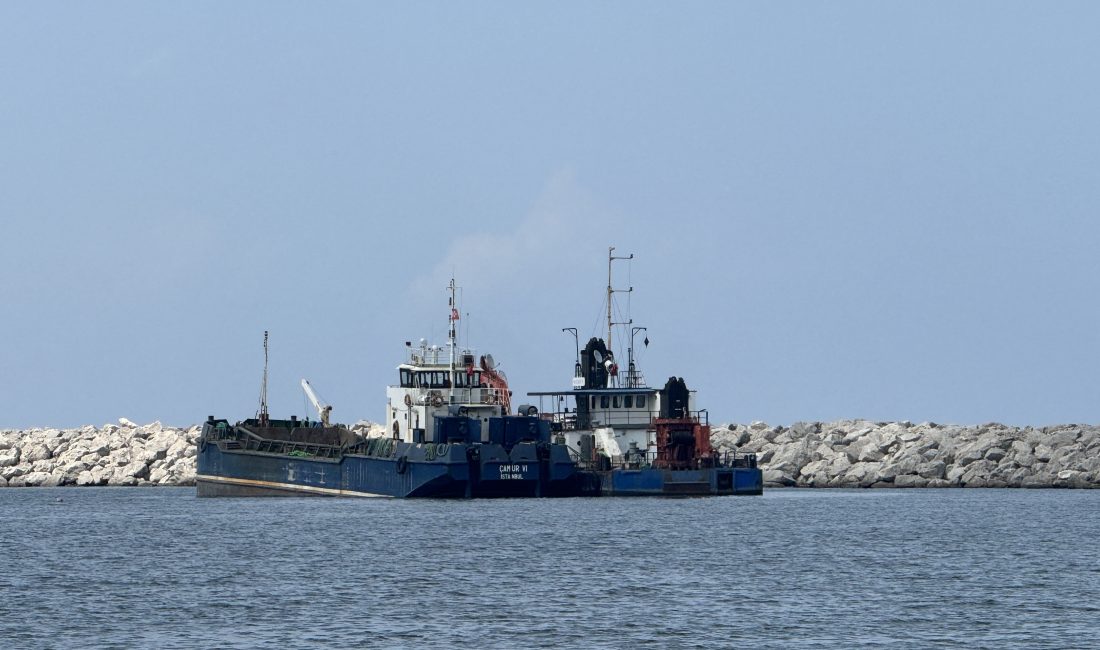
(846, 453)
(122, 454)
(860, 453)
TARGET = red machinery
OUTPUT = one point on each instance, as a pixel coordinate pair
(682, 443)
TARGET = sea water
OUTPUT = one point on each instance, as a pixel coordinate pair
(156, 567)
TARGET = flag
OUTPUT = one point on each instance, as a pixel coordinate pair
(454, 314)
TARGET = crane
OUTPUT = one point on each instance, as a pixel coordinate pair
(323, 410)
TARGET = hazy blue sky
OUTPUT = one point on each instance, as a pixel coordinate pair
(844, 209)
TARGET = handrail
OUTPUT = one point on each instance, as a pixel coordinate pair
(250, 440)
(726, 459)
(611, 417)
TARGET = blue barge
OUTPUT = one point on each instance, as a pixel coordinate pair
(294, 458)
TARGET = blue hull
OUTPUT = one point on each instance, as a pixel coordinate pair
(242, 472)
(232, 461)
(687, 482)
(226, 467)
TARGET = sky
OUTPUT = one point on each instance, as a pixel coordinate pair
(882, 210)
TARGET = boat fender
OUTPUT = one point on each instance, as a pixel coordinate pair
(441, 450)
(402, 464)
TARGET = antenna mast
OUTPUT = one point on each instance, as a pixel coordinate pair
(453, 316)
(610, 290)
(263, 387)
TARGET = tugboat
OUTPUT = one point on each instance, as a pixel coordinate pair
(448, 433)
(637, 440)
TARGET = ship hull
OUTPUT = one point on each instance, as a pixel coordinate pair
(233, 462)
(222, 486)
(711, 481)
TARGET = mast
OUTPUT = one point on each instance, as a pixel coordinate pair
(610, 250)
(263, 387)
(610, 291)
(453, 316)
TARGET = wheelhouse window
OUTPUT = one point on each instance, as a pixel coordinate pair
(464, 379)
(437, 379)
(641, 401)
(407, 379)
(604, 402)
(617, 402)
(628, 401)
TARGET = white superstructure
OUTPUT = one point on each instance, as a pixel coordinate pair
(440, 381)
(608, 412)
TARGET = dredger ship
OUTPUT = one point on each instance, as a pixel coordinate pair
(450, 432)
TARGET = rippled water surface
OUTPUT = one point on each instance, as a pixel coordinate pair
(155, 567)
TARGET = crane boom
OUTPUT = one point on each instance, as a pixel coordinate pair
(323, 410)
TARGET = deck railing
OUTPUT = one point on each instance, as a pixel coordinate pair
(241, 437)
(646, 460)
(461, 395)
(600, 417)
